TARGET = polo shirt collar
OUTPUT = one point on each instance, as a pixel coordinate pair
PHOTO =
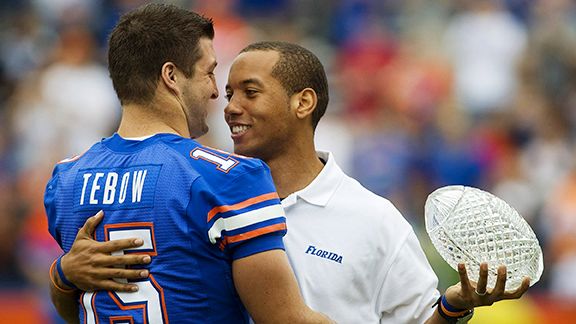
(323, 187)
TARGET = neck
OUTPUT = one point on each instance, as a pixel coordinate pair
(145, 120)
(293, 171)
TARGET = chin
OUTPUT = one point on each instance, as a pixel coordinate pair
(243, 150)
(199, 131)
(250, 152)
(239, 150)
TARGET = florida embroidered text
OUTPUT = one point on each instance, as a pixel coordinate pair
(324, 254)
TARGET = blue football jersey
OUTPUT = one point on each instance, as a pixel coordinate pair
(197, 209)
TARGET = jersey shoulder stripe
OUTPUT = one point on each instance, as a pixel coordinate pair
(245, 219)
(279, 227)
(246, 203)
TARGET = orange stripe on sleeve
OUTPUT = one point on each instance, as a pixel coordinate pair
(254, 233)
(240, 205)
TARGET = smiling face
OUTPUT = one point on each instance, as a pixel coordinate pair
(258, 111)
(199, 89)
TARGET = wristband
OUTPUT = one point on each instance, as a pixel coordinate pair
(61, 273)
(451, 313)
(61, 289)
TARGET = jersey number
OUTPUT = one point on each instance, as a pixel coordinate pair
(222, 164)
(149, 297)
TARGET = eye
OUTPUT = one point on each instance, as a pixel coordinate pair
(228, 96)
(250, 93)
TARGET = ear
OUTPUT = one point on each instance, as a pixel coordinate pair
(169, 77)
(304, 103)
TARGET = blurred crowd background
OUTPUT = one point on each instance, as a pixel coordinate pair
(423, 94)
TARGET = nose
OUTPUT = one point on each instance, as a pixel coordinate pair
(232, 109)
(214, 89)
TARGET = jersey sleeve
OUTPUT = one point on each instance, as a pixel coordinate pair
(50, 205)
(244, 215)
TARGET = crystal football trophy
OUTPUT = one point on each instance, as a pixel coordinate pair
(471, 226)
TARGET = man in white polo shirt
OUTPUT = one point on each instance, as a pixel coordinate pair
(354, 255)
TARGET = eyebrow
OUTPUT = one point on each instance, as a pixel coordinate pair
(248, 82)
(253, 81)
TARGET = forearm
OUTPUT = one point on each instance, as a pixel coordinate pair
(445, 313)
(268, 288)
(66, 305)
(302, 314)
(436, 318)
(314, 317)
(64, 300)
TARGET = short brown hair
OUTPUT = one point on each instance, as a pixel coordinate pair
(145, 39)
(297, 69)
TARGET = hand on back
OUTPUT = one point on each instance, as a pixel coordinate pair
(90, 265)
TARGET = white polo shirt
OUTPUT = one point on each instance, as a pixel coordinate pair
(354, 255)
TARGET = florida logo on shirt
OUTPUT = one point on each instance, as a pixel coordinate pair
(324, 254)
